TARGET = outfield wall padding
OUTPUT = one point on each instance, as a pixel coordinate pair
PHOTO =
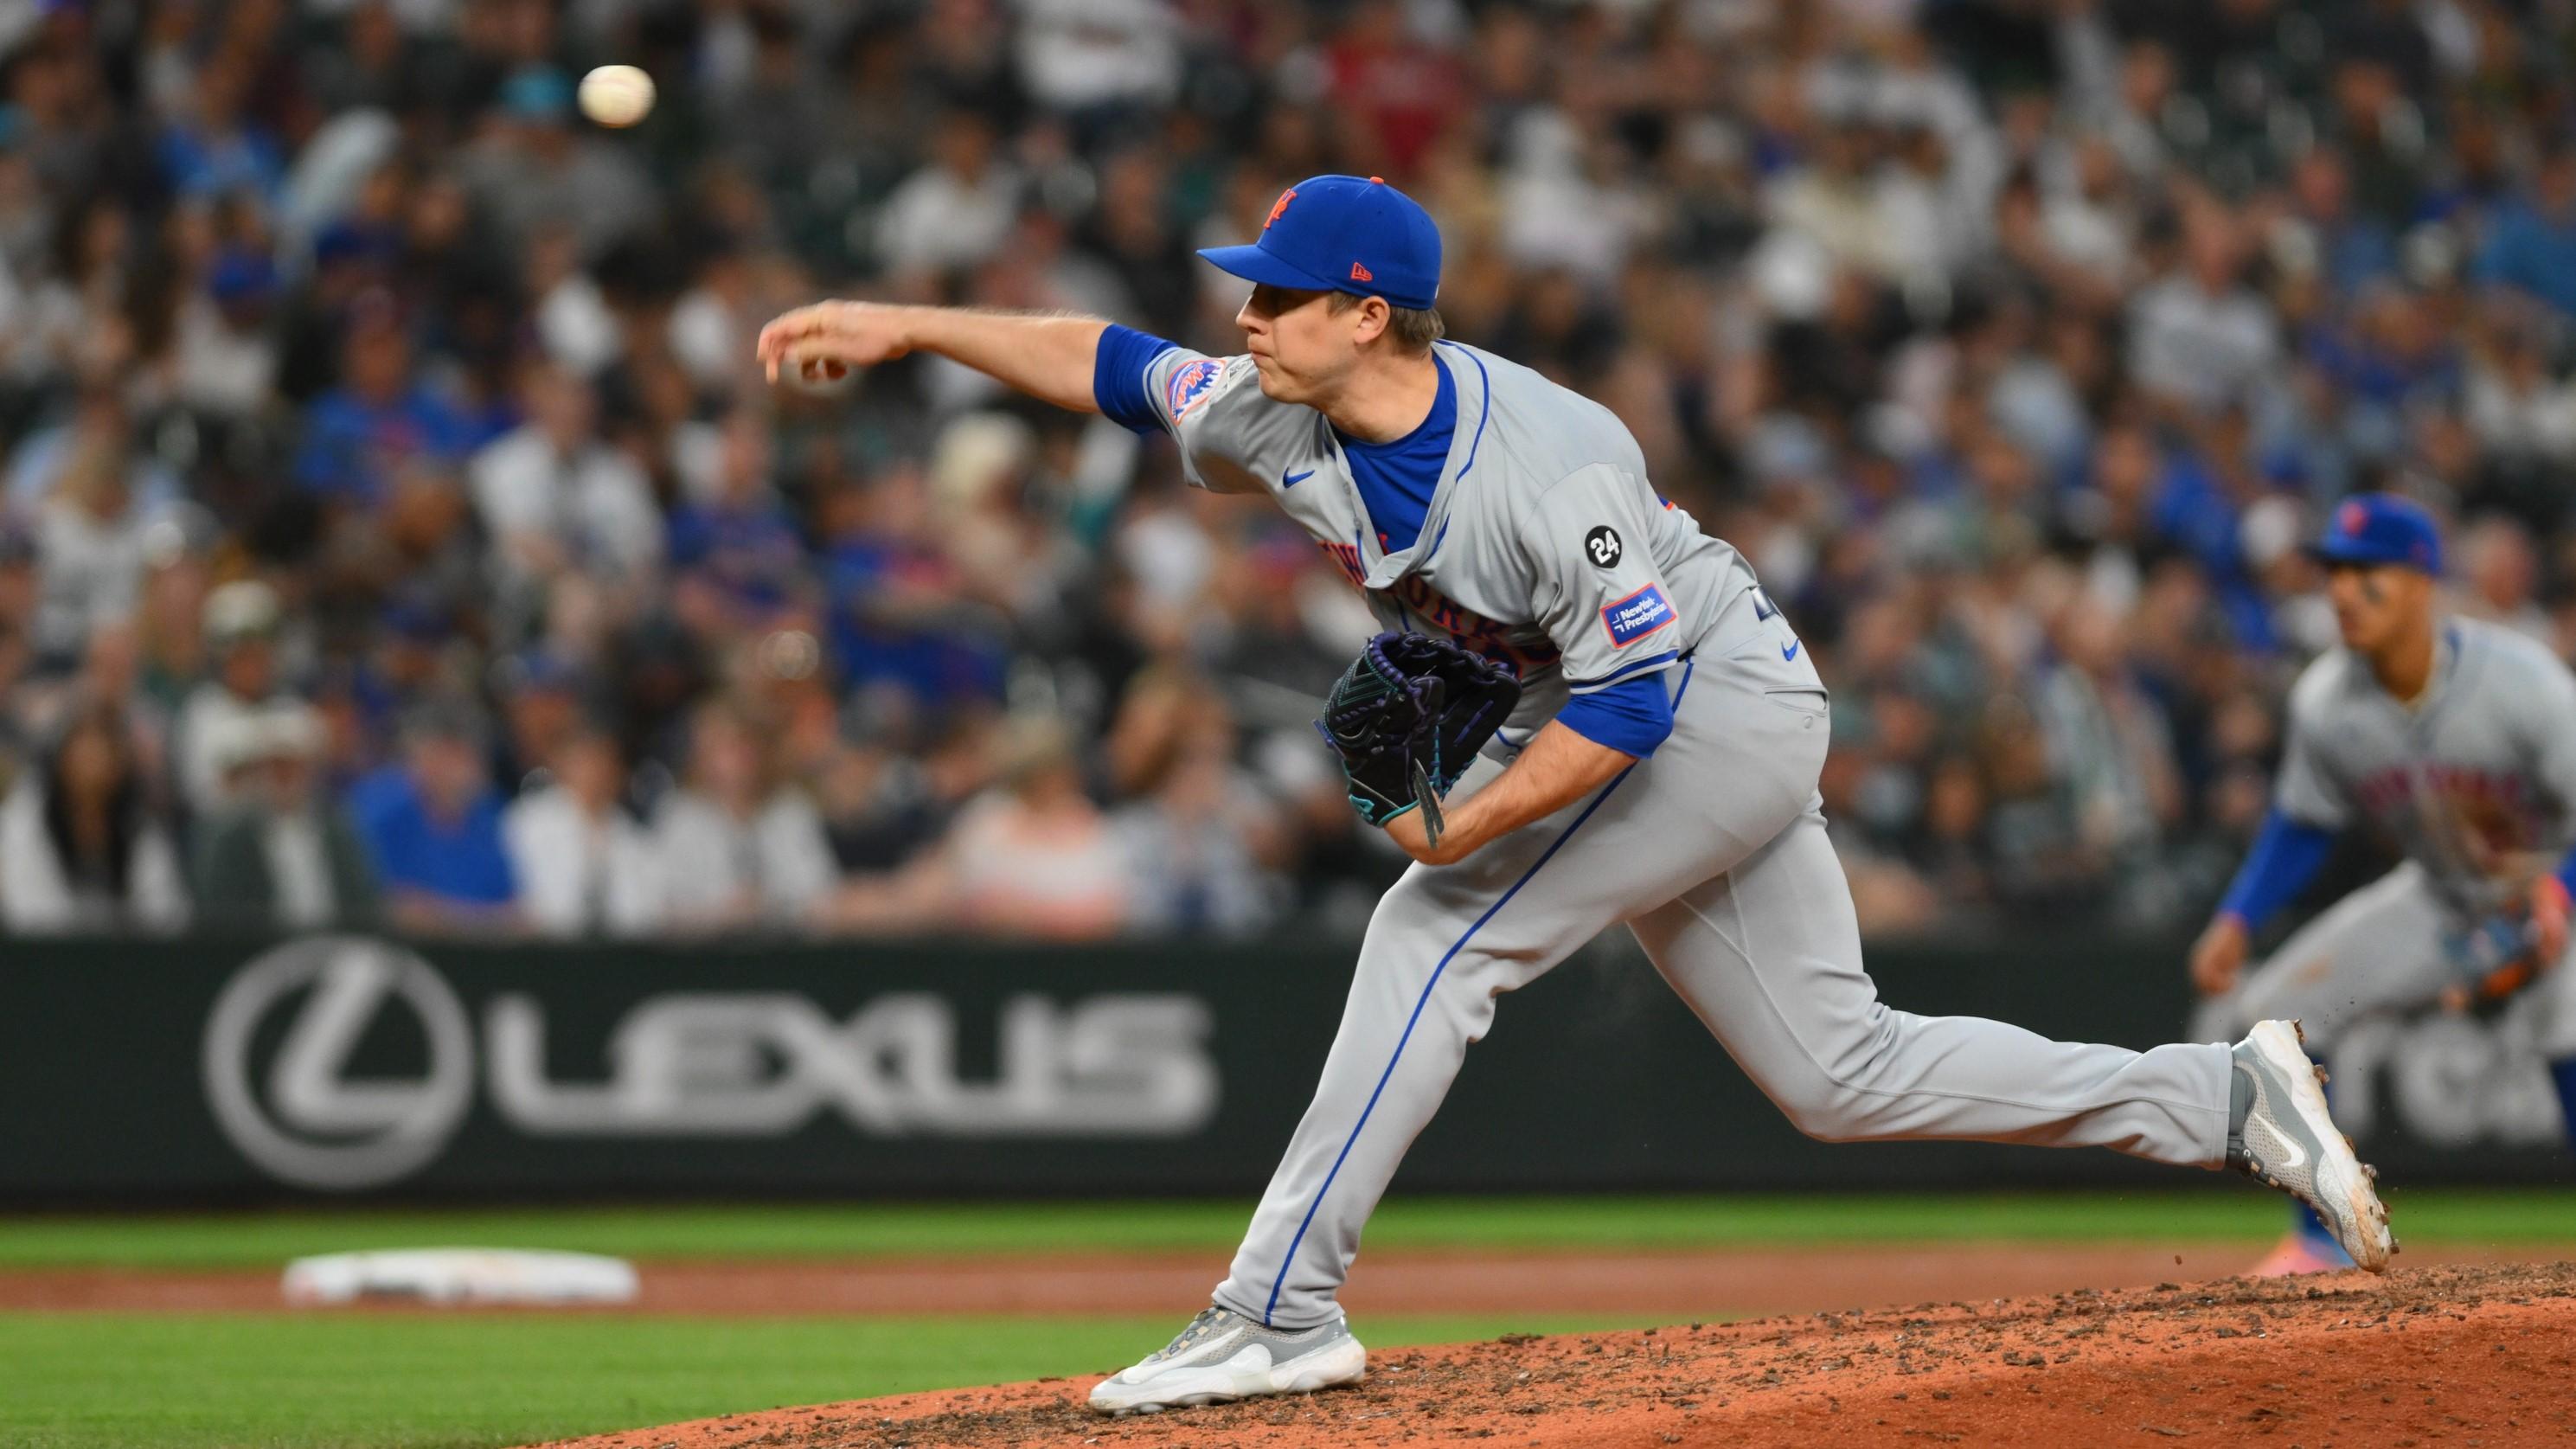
(360, 1068)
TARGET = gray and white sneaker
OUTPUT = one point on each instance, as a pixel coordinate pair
(1223, 1356)
(2279, 1134)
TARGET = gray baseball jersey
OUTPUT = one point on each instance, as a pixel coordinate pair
(1546, 546)
(2476, 785)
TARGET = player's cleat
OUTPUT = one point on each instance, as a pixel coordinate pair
(2299, 1253)
(1223, 1356)
(2280, 1134)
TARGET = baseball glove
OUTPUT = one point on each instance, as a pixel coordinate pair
(1407, 719)
(2502, 954)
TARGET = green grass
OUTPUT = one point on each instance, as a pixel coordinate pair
(2489, 1217)
(414, 1381)
(123, 1381)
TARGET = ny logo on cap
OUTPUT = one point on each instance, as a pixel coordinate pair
(1279, 206)
(2352, 518)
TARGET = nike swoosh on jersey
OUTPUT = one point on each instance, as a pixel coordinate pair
(1789, 650)
(1293, 479)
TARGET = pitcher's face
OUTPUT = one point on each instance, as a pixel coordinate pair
(1300, 346)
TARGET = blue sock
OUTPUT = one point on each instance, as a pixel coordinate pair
(2563, 1073)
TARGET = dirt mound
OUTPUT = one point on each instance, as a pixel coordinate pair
(1638, 1287)
(2467, 1355)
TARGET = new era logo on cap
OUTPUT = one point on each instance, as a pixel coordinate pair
(1360, 273)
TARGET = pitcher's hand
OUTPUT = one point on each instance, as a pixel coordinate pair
(824, 341)
(2219, 955)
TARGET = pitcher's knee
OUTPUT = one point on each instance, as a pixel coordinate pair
(1820, 1103)
(1827, 1110)
(1829, 1099)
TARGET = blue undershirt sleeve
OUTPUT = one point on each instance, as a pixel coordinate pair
(1118, 377)
(2286, 856)
(2567, 878)
(1632, 716)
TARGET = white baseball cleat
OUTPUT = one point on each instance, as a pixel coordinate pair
(1223, 1356)
(2285, 1138)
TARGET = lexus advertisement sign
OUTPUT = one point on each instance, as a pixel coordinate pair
(361, 1067)
(679, 1064)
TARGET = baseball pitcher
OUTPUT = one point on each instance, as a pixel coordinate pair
(1655, 766)
(2455, 738)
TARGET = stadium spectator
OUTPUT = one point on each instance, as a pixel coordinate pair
(1201, 838)
(82, 847)
(358, 436)
(2531, 244)
(736, 847)
(533, 167)
(18, 601)
(282, 854)
(738, 558)
(432, 827)
(955, 211)
(90, 496)
(544, 696)
(1031, 858)
(553, 497)
(241, 621)
(586, 866)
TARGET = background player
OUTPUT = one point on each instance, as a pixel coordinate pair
(1470, 496)
(2458, 739)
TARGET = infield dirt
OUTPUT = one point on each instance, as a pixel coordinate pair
(2466, 1355)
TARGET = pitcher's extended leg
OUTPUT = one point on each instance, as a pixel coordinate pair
(1768, 955)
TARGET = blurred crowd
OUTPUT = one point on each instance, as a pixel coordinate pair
(394, 527)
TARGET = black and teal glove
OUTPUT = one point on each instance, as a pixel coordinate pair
(1407, 719)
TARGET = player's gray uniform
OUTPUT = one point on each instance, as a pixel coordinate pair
(2476, 785)
(1713, 850)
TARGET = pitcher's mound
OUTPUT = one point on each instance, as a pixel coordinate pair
(2456, 1355)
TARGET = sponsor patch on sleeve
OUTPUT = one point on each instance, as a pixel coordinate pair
(1190, 385)
(1636, 616)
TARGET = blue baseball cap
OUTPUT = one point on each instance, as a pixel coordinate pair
(2380, 528)
(1352, 234)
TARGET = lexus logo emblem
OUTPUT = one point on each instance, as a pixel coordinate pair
(306, 1120)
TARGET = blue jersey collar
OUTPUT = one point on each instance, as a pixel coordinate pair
(1475, 400)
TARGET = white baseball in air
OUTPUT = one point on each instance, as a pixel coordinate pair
(616, 95)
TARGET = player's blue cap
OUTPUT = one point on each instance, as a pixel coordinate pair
(1352, 234)
(2380, 528)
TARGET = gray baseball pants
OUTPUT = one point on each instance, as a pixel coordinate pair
(1714, 853)
(2383, 951)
